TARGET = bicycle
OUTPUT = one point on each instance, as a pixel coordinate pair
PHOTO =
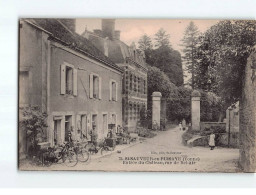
(92, 147)
(82, 154)
(65, 152)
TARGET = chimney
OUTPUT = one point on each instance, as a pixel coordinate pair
(108, 28)
(117, 34)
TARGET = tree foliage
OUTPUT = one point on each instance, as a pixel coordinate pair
(163, 56)
(159, 81)
(162, 39)
(222, 55)
(190, 41)
(33, 121)
(179, 105)
(145, 43)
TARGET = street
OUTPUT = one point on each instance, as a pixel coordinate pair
(164, 152)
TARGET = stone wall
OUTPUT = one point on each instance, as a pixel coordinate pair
(208, 125)
(247, 117)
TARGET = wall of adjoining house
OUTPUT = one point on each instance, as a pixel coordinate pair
(30, 59)
(248, 118)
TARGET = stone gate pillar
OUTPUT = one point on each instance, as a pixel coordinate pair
(195, 110)
(156, 109)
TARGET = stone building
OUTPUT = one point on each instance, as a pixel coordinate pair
(248, 117)
(132, 62)
(69, 79)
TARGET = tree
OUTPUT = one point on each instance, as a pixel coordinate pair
(168, 61)
(158, 81)
(162, 39)
(190, 43)
(227, 46)
(145, 43)
(179, 105)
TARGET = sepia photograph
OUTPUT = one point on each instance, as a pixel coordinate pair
(136, 95)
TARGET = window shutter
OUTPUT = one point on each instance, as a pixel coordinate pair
(116, 90)
(100, 88)
(63, 79)
(110, 90)
(91, 85)
(75, 82)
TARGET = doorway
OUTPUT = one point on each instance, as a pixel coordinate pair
(57, 130)
(84, 132)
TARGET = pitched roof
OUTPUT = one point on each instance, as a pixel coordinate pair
(59, 32)
(118, 51)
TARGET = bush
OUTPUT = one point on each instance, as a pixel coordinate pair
(33, 122)
(142, 132)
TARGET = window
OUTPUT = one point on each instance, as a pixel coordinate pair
(94, 122)
(138, 111)
(144, 86)
(130, 111)
(95, 86)
(135, 84)
(134, 111)
(68, 79)
(131, 81)
(139, 85)
(113, 90)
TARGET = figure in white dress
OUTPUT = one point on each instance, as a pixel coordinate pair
(212, 141)
(180, 126)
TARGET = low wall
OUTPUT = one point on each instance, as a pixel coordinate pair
(221, 139)
(208, 125)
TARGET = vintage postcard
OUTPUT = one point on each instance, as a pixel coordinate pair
(137, 95)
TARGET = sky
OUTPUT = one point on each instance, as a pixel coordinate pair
(133, 29)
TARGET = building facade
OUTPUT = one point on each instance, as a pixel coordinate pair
(69, 79)
(132, 62)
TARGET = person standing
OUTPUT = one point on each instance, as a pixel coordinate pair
(180, 126)
(212, 141)
(184, 125)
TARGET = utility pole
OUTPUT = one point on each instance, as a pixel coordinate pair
(229, 110)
